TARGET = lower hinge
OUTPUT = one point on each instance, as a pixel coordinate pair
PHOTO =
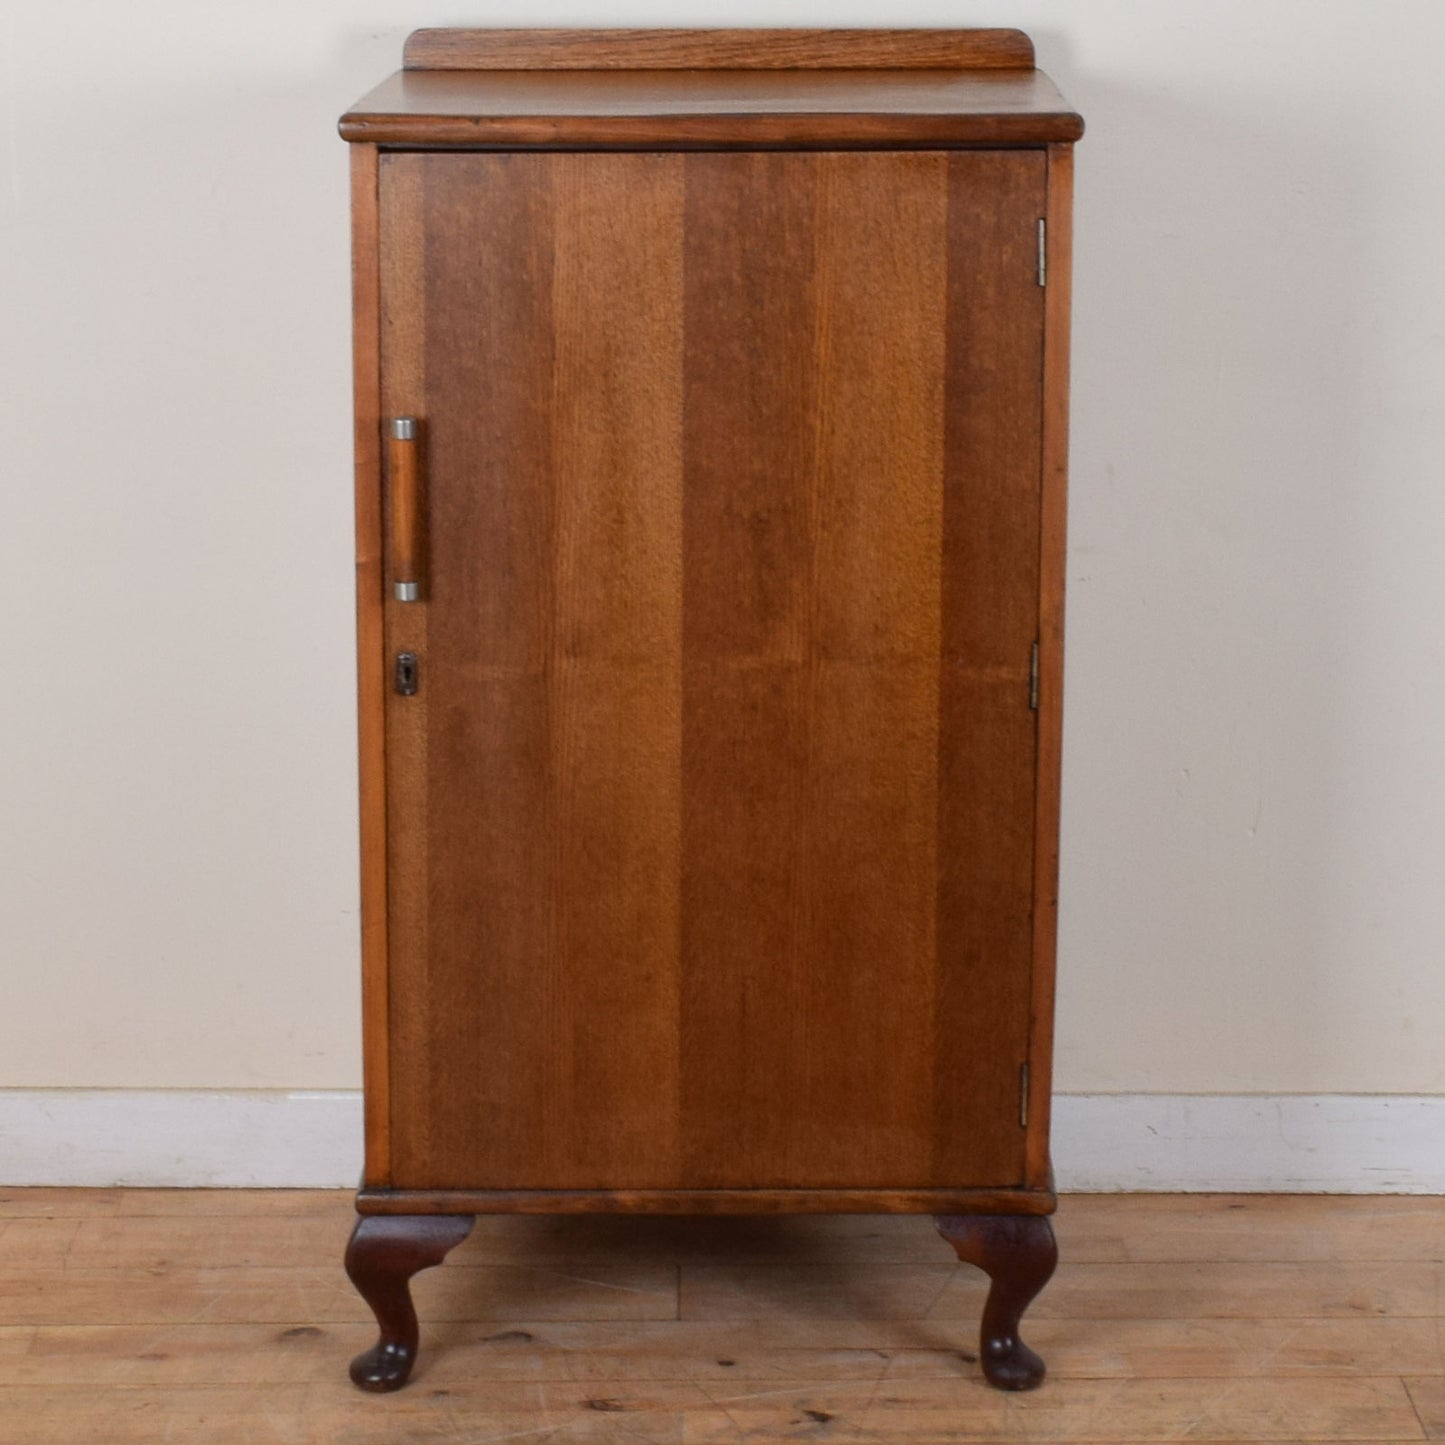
(1023, 1095)
(1034, 677)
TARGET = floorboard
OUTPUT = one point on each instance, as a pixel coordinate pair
(224, 1316)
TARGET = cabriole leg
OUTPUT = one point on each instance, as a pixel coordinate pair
(1018, 1253)
(385, 1251)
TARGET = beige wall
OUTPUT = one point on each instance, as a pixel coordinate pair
(1254, 832)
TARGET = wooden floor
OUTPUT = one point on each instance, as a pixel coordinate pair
(224, 1316)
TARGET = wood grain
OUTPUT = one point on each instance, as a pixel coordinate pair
(810, 693)
(320, 1294)
(1081, 1292)
(370, 659)
(181, 1330)
(689, 110)
(1053, 518)
(614, 705)
(1428, 1399)
(1248, 1227)
(710, 837)
(717, 49)
(710, 827)
(160, 1357)
(158, 1228)
(402, 266)
(704, 1202)
(925, 1413)
(536, 1004)
(990, 601)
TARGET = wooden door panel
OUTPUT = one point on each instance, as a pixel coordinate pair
(535, 1022)
(815, 296)
(710, 827)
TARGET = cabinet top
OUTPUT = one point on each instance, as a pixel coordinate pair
(679, 89)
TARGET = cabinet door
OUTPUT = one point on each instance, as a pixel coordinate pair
(710, 825)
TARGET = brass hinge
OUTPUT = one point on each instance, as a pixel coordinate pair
(1023, 1096)
(1034, 677)
(1043, 252)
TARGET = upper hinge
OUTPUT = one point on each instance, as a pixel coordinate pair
(1043, 252)
(1034, 677)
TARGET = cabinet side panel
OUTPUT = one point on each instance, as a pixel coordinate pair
(370, 666)
(1052, 563)
(535, 1008)
(990, 615)
(812, 527)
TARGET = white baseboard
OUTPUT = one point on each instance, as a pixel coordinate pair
(180, 1138)
(1250, 1143)
(1320, 1143)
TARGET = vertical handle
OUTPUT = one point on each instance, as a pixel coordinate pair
(402, 473)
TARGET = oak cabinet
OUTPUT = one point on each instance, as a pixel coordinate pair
(710, 402)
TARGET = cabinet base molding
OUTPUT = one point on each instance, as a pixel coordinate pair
(371, 1201)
